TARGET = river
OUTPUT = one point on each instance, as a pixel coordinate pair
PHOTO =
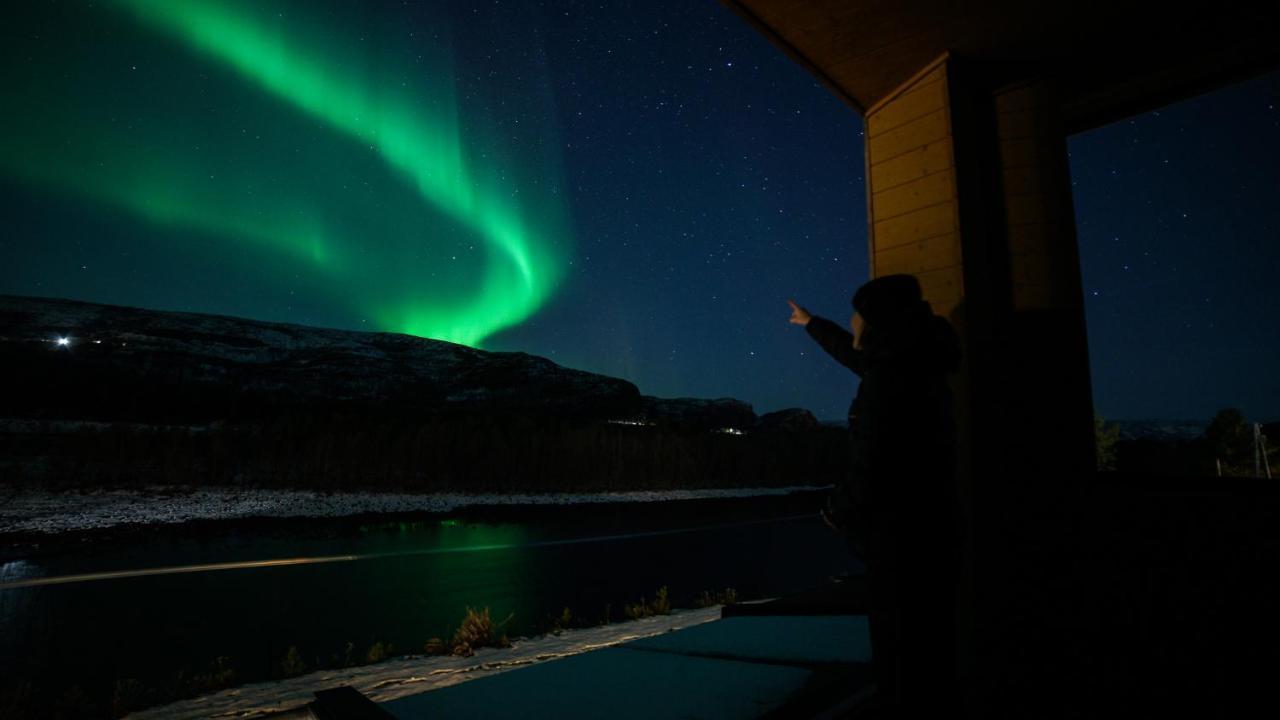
(159, 607)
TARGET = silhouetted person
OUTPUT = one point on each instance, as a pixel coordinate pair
(899, 509)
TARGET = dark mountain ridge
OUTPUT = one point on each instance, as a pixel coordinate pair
(105, 394)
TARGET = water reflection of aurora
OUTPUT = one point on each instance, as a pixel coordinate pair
(447, 537)
(313, 143)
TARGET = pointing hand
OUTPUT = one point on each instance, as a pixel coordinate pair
(799, 316)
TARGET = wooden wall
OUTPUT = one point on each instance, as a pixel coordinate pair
(911, 188)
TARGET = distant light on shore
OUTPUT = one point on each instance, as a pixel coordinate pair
(640, 423)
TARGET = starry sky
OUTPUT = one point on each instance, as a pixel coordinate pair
(626, 188)
(1178, 220)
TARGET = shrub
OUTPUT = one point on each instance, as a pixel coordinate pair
(563, 622)
(129, 695)
(378, 652)
(635, 611)
(73, 703)
(708, 598)
(18, 700)
(477, 631)
(220, 675)
(661, 605)
(349, 657)
(292, 665)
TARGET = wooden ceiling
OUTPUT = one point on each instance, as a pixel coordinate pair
(1110, 60)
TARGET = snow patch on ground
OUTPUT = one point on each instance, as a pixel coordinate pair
(50, 512)
(411, 675)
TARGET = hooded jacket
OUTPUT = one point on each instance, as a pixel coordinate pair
(901, 425)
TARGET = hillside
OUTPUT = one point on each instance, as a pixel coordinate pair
(98, 394)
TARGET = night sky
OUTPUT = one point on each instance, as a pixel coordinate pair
(631, 190)
(1178, 218)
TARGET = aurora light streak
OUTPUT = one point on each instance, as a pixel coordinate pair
(432, 184)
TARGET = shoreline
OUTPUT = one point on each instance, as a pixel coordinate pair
(409, 675)
(31, 519)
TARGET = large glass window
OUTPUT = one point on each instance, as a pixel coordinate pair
(1179, 228)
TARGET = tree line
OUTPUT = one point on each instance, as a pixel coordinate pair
(1229, 446)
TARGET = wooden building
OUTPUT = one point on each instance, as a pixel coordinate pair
(1082, 592)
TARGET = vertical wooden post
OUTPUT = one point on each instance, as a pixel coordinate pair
(968, 189)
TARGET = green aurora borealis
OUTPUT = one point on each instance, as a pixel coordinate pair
(315, 146)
